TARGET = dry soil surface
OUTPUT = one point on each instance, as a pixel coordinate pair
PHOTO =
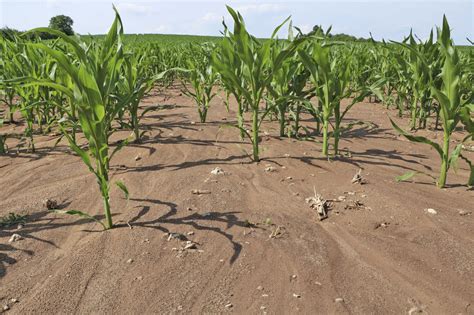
(257, 246)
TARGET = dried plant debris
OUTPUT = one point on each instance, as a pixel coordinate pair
(200, 192)
(383, 224)
(177, 236)
(356, 205)
(277, 232)
(15, 238)
(190, 245)
(50, 204)
(318, 203)
(358, 179)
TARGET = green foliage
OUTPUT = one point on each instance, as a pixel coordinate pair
(244, 65)
(455, 107)
(202, 77)
(9, 33)
(62, 23)
(3, 146)
(90, 86)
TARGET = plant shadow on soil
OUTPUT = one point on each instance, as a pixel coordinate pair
(35, 223)
(42, 221)
(192, 220)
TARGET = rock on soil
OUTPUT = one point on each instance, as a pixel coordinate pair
(15, 238)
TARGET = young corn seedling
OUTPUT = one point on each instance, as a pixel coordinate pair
(455, 107)
(286, 90)
(331, 77)
(93, 74)
(424, 64)
(232, 84)
(3, 146)
(202, 77)
(9, 68)
(131, 89)
(254, 58)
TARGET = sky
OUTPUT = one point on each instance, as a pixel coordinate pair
(385, 19)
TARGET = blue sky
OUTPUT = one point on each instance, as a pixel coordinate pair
(384, 18)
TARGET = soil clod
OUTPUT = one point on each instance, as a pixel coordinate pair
(50, 204)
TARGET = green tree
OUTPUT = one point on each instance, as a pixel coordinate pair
(62, 23)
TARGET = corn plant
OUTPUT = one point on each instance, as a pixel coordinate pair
(132, 86)
(455, 108)
(202, 77)
(3, 146)
(8, 69)
(94, 73)
(286, 90)
(233, 84)
(331, 78)
(254, 58)
(424, 64)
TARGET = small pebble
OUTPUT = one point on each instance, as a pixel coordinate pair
(431, 211)
(260, 288)
(296, 295)
(138, 158)
(190, 233)
(229, 305)
(217, 171)
(270, 169)
(15, 238)
(339, 300)
(14, 300)
(129, 261)
(6, 307)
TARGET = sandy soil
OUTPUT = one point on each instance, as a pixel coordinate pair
(260, 247)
